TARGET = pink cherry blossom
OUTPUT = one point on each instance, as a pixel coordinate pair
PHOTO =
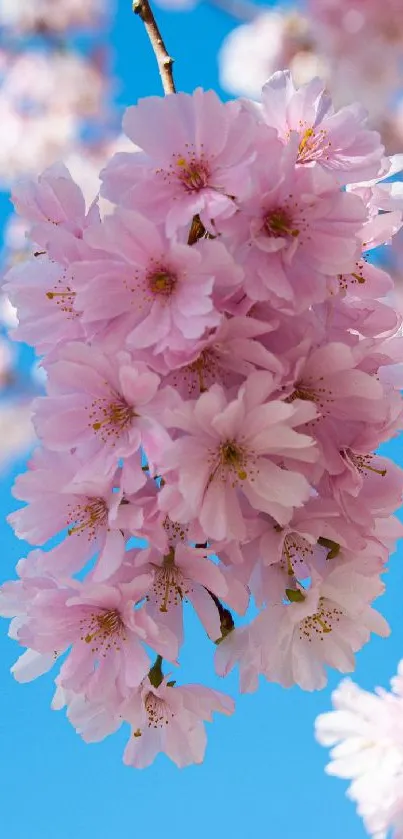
(344, 395)
(162, 290)
(112, 414)
(105, 632)
(295, 232)
(189, 168)
(225, 357)
(85, 510)
(53, 198)
(170, 719)
(339, 141)
(326, 627)
(232, 448)
(239, 648)
(43, 291)
(93, 719)
(186, 573)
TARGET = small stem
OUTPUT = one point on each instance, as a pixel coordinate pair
(197, 230)
(226, 619)
(164, 60)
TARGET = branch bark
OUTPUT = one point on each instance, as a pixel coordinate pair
(165, 61)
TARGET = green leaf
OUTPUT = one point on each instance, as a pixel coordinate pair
(155, 674)
(295, 595)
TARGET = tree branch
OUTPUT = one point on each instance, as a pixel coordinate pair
(164, 60)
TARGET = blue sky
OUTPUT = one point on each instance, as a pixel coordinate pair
(263, 773)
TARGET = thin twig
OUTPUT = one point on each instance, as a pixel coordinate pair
(164, 60)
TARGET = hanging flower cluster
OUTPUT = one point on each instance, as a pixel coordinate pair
(221, 365)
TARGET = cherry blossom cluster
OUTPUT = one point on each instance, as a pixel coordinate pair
(366, 731)
(355, 46)
(222, 363)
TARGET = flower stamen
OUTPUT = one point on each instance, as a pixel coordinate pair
(279, 222)
(89, 517)
(106, 628)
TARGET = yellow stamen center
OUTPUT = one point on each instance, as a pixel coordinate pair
(105, 629)
(279, 223)
(89, 517)
(162, 282)
(169, 584)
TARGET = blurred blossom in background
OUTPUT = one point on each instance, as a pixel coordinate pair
(56, 103)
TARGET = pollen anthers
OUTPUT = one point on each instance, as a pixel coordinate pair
(362, 462)
(162, 282)
(104, 630)
(278, 222)
(110, 417)
(87, 517)
(169, 586)
(296, 551)
(175, 531)
(355, 278)
(309, 391)
(313, 144)
(190, 168)
(158, 712)
(202, 372)
(64, 297)
(232, 460)
(159, 280)
(232, 457)
(321, 623)
(193, 174)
